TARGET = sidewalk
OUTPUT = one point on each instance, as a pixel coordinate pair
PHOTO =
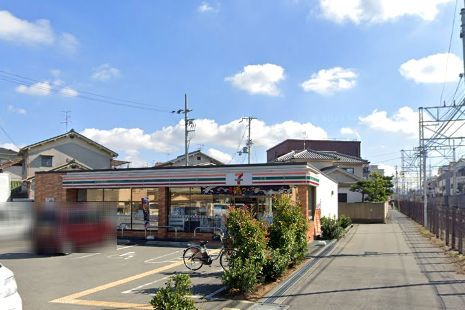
(376, 266)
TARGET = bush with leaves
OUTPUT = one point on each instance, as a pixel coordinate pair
(248, 239)
(242, 274)
(344, 221)
(331, 228)
(276, 264)
(174, 296)
(288, 237)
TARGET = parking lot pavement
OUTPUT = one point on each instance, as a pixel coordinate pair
(124, 277)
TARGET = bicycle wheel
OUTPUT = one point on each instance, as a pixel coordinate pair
(225, 259)
(192, 258)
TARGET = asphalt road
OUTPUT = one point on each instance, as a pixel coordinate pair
(123, 277)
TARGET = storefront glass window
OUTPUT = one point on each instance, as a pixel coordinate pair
(91, 194)
(151, 196)
(190, 209)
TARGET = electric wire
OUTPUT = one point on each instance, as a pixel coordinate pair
(448, 51)
(29, 82)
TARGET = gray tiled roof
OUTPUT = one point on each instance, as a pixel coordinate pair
(320, 155)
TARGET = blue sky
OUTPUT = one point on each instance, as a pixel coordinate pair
(322, 69)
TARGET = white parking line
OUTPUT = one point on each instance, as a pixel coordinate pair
(131, 291)
(124, 247)
(209, 296)
(127, 255)
(195, 296)
(85, 256)
(154, 260)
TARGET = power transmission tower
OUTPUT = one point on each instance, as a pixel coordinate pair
(67, 119)
(189, 126)
(248, 146)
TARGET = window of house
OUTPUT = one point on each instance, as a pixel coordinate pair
(342, 197)
(199, 158)
(349, 170)
(46, 160)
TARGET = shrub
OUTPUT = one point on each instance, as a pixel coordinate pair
(288, 232)
(344, 221)
(276, 264)
(241, 275)
(174, 295)
(248, 239)
(331, 228)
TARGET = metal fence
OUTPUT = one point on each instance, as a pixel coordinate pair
(446, 218)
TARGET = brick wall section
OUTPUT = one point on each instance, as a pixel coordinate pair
(300, 196)
(49, 185)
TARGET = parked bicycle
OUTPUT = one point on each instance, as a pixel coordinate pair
(195, 256)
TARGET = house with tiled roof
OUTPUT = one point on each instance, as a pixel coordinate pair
(195, 158)
(345, 169)
(68, 151)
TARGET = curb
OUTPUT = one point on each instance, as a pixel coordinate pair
(289, 282)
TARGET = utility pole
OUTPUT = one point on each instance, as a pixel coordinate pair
(189, 127)
(66, 121)
(248, 146)
(462, 33)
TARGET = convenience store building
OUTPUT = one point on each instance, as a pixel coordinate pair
(188, 201)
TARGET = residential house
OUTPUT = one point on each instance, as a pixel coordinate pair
(69, 151)
(351, 148)
(345, 169)
(196, 158)
(10, 163)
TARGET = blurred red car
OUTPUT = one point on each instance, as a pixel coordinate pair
(68, 230)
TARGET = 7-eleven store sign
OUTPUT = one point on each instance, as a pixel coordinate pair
(239, 178)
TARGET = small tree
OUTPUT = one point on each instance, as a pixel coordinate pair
(288, 237)
(174, 295)
(248, 238)
(376, 187)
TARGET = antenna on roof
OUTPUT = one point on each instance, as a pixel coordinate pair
(305, 138)
(67, 119)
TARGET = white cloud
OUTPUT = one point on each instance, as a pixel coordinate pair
(219, 155)
(327, 81)
(37, 89)
(14, 109)
(134, 158)
(68, 42)
(46, 88)
(105, 72)
(259, 79)
(9, 146)
(39, 32)
(205, 7)
(432, 69)
(378, 11)
(170, 139)
(346, 131)
(68, 92)
(404, 121)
